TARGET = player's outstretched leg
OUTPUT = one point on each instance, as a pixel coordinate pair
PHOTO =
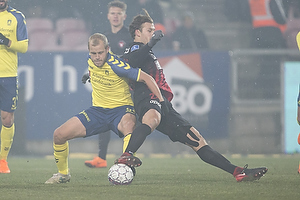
(128, 159)
(245, 174)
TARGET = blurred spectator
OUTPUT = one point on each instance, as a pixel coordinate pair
(187, 36)
(118, 35)
(267, 32)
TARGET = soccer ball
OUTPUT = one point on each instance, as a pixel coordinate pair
(120, 174)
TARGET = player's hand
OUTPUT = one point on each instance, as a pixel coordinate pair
(164, 108)
(3, 40)
(85, 78)
(157, 35)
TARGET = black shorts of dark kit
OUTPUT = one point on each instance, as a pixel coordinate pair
(173, 124)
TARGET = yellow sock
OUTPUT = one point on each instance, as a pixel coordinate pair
(7, 136)
(61, 153)
(126, 141)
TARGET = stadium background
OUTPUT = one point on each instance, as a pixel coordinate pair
(236, 96)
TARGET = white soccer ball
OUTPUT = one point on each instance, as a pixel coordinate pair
(120, 174)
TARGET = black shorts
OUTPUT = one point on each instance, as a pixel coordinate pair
(172, 125)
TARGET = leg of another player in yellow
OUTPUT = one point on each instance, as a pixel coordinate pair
(61, 153)
(7, 135)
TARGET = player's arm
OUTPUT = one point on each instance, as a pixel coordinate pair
(19, 46)
(21, 43)
(150, 82)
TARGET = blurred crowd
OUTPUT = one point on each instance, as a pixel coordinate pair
(182, 31)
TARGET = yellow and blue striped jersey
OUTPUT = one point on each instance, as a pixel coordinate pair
(110, 82)
(12, 26)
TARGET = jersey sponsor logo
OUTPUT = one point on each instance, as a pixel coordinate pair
(135, 47)
(155, 103)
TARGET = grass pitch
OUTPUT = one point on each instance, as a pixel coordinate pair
(158, 179)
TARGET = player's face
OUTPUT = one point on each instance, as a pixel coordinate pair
(98, 54)
(3, 5)
(146, 34)
(116, 16)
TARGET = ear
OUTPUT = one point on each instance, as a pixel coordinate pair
(107, 49)
(137, 33)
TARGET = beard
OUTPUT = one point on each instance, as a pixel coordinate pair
(4, 5)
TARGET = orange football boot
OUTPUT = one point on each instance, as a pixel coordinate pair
(97, 162)
(4, 167)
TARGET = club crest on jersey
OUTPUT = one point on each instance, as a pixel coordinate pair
(121, 44)
(9, 22)
(107, 72)
(135, 47)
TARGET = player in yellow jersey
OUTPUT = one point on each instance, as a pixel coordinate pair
(13, 39)
(118, 37)
(112, 106)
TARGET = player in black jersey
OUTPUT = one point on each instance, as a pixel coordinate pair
(167, 121)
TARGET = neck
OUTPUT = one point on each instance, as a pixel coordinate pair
(115, 29)
(138, 40)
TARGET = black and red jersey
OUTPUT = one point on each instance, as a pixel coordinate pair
(141, 56)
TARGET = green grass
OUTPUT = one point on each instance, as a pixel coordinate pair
(157, 178)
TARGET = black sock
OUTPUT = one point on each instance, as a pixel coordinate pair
(210, 156)
(103, 144)
(137, 138)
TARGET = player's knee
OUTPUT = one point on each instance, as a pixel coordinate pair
(58, 137)
(152, 119)
(155, 123)
(126, 126)
(7, 120)
(196, 140)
